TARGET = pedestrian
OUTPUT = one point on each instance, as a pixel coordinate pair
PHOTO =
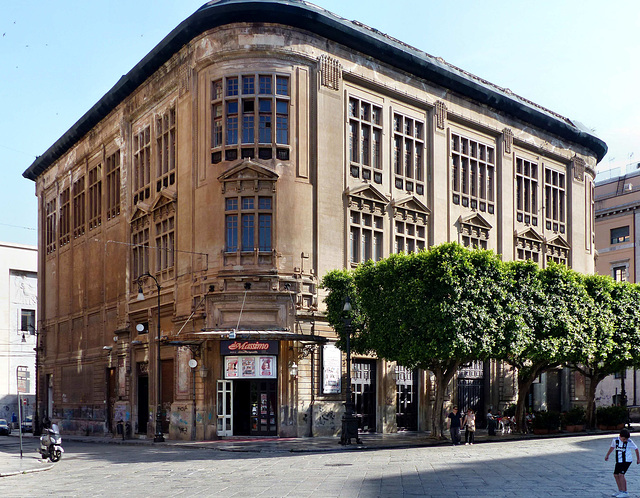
(624, 446)
(454, 425)
(491, 423)
(469, 425)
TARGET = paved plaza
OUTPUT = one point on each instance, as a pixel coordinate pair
(567, 466)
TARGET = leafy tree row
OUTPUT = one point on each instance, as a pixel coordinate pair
(443, 308)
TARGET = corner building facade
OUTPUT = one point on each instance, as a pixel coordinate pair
(258, 146)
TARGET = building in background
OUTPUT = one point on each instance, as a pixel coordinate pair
(18, 305)
(617, 210)
(257, 147)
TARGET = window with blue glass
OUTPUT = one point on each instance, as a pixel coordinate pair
(255, 214)
(250, 117)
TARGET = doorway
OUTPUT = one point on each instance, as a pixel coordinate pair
(406, 398)
(143, 403)
(225, 408)
(363, 386)
(111, 397)
(247, 407)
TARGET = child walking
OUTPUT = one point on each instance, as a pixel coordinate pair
(624, 446)
(469, 425)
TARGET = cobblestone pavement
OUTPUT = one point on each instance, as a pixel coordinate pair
(569, 466)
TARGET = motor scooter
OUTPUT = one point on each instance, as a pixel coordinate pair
(51, 443)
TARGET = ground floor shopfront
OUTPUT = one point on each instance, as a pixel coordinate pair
(265, 384)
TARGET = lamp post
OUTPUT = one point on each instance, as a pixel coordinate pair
(159, 437)
(349, 420)
(36, 416)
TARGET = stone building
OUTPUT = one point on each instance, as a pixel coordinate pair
(617, 196)
(258, 146)
(18, 303)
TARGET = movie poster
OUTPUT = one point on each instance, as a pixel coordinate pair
(231, 367)
(248, 366)
(266, 366)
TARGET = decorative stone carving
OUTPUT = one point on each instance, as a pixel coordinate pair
(441, 114)
(578, 168)
(330, 72)
(507, 138)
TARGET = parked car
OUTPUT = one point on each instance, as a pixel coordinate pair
(5, 428)
(27, 424)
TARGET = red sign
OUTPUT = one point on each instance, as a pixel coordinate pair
(249, 347)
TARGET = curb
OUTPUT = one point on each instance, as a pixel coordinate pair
(29, 471)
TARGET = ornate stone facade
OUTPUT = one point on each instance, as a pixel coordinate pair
(239, 163)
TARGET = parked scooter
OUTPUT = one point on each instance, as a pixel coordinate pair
(51, 443)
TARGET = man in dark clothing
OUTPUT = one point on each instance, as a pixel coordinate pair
(454, 425)
(491, 423)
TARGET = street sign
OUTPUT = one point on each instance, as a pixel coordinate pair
(22, 378)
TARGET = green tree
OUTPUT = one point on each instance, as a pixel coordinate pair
(434, 310)
(548, 326)
(615, 333)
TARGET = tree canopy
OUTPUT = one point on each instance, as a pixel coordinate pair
(445, 307)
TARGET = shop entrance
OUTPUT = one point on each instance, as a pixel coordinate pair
(247, 407)
(255, 407)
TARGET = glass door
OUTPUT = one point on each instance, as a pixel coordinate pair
(225, 408)
(263, 408)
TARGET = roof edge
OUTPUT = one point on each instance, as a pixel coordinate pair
(303, 15)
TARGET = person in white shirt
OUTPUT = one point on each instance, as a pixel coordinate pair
(624, 447)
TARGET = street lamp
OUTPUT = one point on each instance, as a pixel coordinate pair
(349, 420)
(158, 438)
(36, 417)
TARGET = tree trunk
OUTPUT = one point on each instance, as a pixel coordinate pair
(594, 380)
(524, 384)
(443, 375)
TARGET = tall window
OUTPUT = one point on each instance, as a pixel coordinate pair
(140, 247)
(474, 242)
(166, 147)
(554, 199)
(65, 216)
(50, 223)
(165, 240)
(141, 165)
(408, 157)
(78, 207)
(473, 233)
(409, 237)
(557, 254)
(528, 249)
(526, 191)
(410, 229)
(113, 185)
(366, 236)
(365, 140)
(250, 117)
(473, 173)
(248, 223)
(95, 197)
(619, 235)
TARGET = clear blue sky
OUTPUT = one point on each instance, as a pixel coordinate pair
(57, 58)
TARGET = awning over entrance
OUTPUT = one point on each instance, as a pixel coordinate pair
(264, 335)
